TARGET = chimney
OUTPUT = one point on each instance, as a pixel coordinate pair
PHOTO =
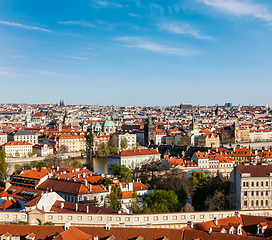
(61, 205)
(57, 168)
(87, 209)
(215, 220)
(119, 212)
(67, 225)
(190, 224)
(108, 226)
(85, 183)
(90, 187)
(109, 189)
(130, 187)
(210, 230)
(95, 237)
(76, 207)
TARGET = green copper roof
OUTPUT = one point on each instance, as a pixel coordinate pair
(108, 123)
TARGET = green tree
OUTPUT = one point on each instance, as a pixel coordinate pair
(115, 196)
(161, 201)
(23, 223)
(112, 147)
(134, 203)
(17, 154)
(137, 145)
(196, 176)
(104, 181)
(49, 224)
(90, 141)
(33, 152)
(64, 148)
(122, 172)
(124, 143)
(103, 150)
(73, 163)
(29, 154)
(3, 163)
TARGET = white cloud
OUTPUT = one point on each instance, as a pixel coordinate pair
(82, 23)
(156, 7)
(183, 28)
(105, 4)
(79, 58)
(23, 26)
(134, 15)
(55, 74)
(241, 8)
(137, 42)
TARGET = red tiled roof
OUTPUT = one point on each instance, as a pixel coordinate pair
(256, 170)
(136, 152)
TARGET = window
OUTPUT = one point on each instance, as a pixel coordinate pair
(261, 184)
(252, 184)
(99, 218)
(257, 193)
(261, 202)
(175, 217)
(50, 217)
(252, 203)
(137, 219)
(266, 202)
(155, 218)
(165, 218)
(244, 184)
(257, 203)
(266, 193)
(70, 217)
(127, 219)
(266, 183)
(245, 203)
(79, 218)
(252, 193)
(261, 193)
(245, 194)
(89, 218)
(247, 184)
(257, 184)
(146, 218)
(60, 217)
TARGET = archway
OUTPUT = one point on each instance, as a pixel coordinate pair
(36, 221)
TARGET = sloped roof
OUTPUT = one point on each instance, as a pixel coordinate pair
(64, 186)
(256, 170)
(135, 152)
(73, 233)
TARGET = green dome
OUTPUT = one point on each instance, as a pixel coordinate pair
(97, 124)
(27, 116)
(108, 123)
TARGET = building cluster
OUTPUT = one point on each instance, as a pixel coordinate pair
(64, 189)
(51, 126)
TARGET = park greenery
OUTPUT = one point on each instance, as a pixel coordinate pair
(2, 165)
(121, 172)
(104, 181)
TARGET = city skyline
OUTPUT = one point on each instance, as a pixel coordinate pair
(136, 53)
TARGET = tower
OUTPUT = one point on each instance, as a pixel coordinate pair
(84, 126)
(149, 132)
(65, 118)
(59, 125)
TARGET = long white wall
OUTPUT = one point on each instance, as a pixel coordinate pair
(161, 220)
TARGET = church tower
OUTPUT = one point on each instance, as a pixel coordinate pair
(150, 132)
(59, 125)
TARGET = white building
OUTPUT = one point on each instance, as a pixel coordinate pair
(134, 158)
(17, 148)
(252, 186)
(43, 150)
(131, 140)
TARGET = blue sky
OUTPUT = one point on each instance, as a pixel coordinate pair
(136, 52)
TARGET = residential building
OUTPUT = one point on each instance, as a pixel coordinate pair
(131, 140)
(3, 138)
(134, 158)
(43, 150)
(252, 186)
(17, 148)
(24, 135)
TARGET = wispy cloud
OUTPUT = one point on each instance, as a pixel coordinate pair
(79, 58)
(241, 8)
(23, 26)
(106, 3)
(183, 28)
(55, 74)
(137, 42)
(156, 8)
(134, 15)
(82, 23)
